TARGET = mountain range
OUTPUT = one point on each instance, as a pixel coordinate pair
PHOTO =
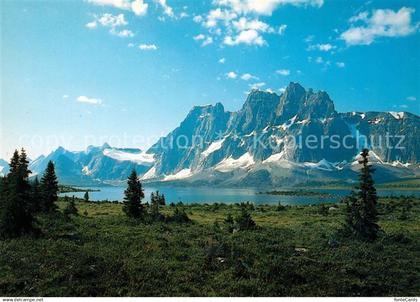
(294, 138)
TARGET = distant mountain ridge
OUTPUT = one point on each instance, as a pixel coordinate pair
(251, 147)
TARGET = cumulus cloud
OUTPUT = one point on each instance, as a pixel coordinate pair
(113, 22)
(206, 40)
(282, 29)
(381, 23)
(257, 85)
(222, 61)
(121, 4)
(198, 19)
(340, 64)
(263, 7)
(231, 75)
(167, 10)
(257, 25)
(248, 76)
(109, 20)
(88, 100)
(411, 98)
(91, 25)
(139, 8)
(249, 37)
(125, 33)
(283, 72)
(322, 47)
(147, 47)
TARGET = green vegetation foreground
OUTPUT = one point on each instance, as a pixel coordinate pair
(293, 251)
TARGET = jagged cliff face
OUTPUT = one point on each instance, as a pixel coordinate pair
(264, 143)
(260, 134)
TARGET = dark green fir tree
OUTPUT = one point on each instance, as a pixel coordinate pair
(16, 216)
(133, 197)
(49, 188)
(361, 218)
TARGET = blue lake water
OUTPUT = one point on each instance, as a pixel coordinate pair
(227, 195)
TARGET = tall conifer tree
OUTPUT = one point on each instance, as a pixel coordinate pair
(361, 205)
(133, 196)
(49, 188)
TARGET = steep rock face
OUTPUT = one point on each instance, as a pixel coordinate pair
(182, 147)
(272, 129)
(257, 112)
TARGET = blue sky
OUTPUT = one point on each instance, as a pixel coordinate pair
(128, 71)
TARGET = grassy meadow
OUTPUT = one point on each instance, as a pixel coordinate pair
(294, 251)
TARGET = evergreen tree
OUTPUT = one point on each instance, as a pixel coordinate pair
(36, 196)
(133, 196)
(156, 200)
(361, 217)
(244, 220)
(49, 188)
(14, 162)
(16, 217)
(70, 209)
(229, 222)
(86, 196)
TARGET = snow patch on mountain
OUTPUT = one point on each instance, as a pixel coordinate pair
(289, 123)
(150, 174)
(397, 115)
(142, 158)
(229, 164)
(86, 171)
(184, 173)
(275, 157)
(213, 147)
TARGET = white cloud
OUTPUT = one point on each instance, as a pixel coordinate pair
(248, 76)
(411, 98)
(216, 15)
(65, 96)
(206, 39)
(282, 29)
(183, 15)
(85, 99)
(257, 25)
(381, 23)
(91, 25)
(264, 7)
(147, 47)
(282, 89)
(109, 20)
(121, 4)
(198, 19)
(340, 64)
(125, 33)
(130, 44)
(249, 37)
(113, 22)
(231, 75)
(257, 85)
(319, 60)
(167, 10)
(139, 7)
(283, 72)
(222, 61)
(199, 37)
(322, 47)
